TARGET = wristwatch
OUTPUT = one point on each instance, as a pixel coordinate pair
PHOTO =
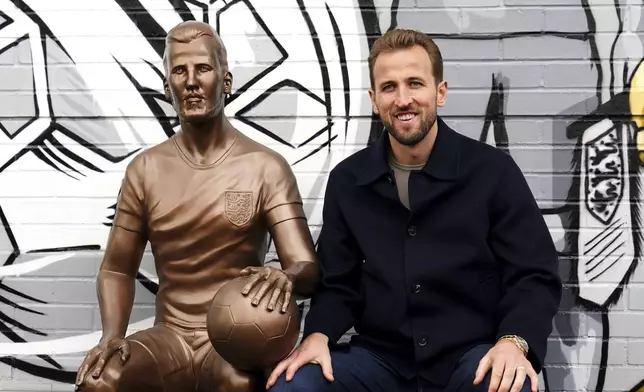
(518, 341)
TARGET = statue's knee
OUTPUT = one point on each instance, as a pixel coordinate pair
(104, 383)
(108, 381)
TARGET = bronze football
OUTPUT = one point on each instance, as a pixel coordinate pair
(251, 337)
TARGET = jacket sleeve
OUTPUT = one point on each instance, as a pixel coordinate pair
(337, 297)
(521, 241)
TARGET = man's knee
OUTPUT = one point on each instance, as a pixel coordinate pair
(308, 378)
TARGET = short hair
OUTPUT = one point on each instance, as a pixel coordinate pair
(189, 31)
(405, 39)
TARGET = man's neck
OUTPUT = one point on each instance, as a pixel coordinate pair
(417, 154)
(204, 142)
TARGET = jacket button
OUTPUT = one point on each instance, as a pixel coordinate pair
(416, 288)
(422, 342)
(411, 230)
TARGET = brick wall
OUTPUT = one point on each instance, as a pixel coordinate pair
(547, 81)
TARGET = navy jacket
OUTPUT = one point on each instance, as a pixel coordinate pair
(473, 260)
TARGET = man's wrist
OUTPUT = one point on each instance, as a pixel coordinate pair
(517, 341)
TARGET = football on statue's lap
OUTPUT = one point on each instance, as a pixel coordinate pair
(251, 337)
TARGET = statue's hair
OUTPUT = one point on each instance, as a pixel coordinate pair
(189, 31)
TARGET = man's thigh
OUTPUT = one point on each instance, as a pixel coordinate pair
(462, 378)
(354, 370)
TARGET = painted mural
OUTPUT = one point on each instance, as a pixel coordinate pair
(557, 86)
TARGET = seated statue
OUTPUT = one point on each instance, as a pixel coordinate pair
(207, 200)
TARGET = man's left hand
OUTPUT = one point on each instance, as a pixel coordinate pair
(279, 281)
(509, 368)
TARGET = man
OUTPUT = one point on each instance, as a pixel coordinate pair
(206, 200)
(432, 247)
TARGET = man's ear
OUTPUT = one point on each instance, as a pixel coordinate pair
(228, 82)
(441, 94)
(372, 95)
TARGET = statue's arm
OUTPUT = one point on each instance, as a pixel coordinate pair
(289, 228)
(125, 246)
(296, 252)
(116, 280)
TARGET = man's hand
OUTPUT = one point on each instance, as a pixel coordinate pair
(273, 278)
(509, 368)
(97, 358)
(314, 349)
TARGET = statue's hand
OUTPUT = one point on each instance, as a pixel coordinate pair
(279, 281)
(97, 358)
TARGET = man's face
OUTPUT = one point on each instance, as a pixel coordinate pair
(195, 80)
(405, 94)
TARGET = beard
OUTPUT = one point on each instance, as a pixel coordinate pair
(410, 138)
(200, 113)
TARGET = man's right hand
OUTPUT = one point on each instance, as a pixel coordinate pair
(314, 349)
(97, 358)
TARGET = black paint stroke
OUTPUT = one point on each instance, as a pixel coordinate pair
(372, 32)
(615, 238)
(19, 294)
(603, 235)
(40, 154)
(600, 273)
(60, 160)
(394, 15)
(4, 225)
(149, 27)
(19, 325)
(14, 337)
(204, 9)
(70, 154)
(59, 375)
(35, 97)
(110, 218)
(343, 69)
(66, 249)
(594, 51)
(315, 135)
(181, 8)
(147, 283)
(260, 22)
(326, 84)
(319, 148)
(613, 47)
(494, 116)
(45, 32)
(4, 328)
(603, 362)
(637, 387)
(240, 115)
(7, 20)
(9, 302)
(150, 96)
(514, 34)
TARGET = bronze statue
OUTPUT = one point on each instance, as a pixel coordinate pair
(206, 200)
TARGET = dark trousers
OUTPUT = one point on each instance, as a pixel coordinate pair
(358, 370)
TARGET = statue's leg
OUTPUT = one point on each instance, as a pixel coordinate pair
(214, 374)
(160, 361)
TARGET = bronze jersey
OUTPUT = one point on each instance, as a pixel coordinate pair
(205, 223)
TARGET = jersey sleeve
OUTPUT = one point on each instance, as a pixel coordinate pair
(281, 199)
(130, 211)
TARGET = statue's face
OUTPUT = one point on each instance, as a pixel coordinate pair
(196, 82)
